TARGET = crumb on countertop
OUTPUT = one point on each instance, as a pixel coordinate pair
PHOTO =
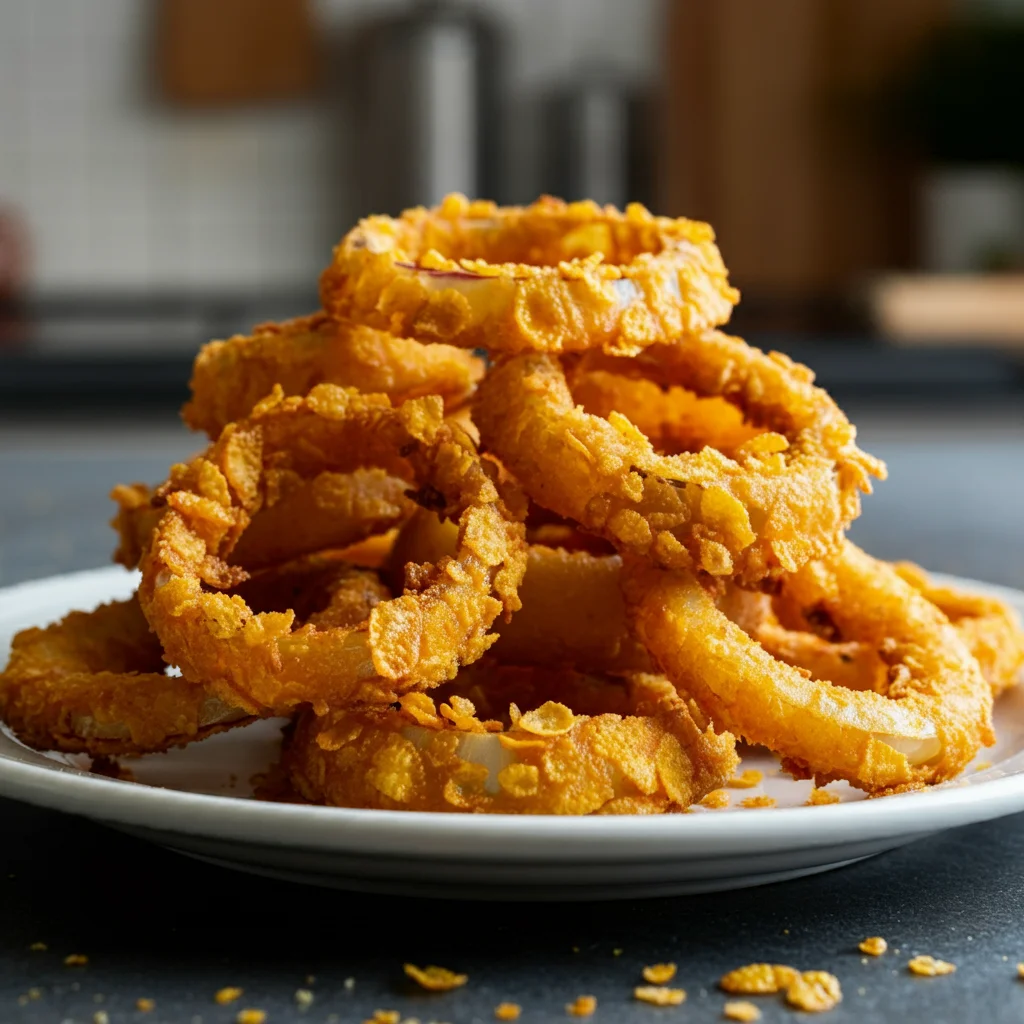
(584, 1006)
(874, 945)
(226, 995)
(928, 967)
(741, 1010)
(659, 995)
(820, 797)
(747, 779)
(507, 1011)
(38, 947)
(659, 974)
(75, 960)
(435, 979)
(145, 1005)
(303, 998)
(814, 991)
(758, 801)
(251, 1016)
(716, 799)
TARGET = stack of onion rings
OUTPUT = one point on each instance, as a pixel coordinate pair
(456, 631)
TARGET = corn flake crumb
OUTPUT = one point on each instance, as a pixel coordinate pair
(616, 952)
(435, 979)
(145, 1005)
(747, 779)
(38, 947)
(716, 799)
(303, 997)
(742, 1011)
(928, 967)
(659, 974)
(875, 945)
(101, 1017)
(384, 1017)
(251, 1017)
(659, 995)
(584, 1006)
(34, 993)
(758, 801)
(758, 979)
(75, 960)
(814, 991)
(507, 1011)
(820, 797)
(982, 766)
(227, 995)
(1020, 970)
(348, 984)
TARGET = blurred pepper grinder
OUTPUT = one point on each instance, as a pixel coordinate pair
(425, 90)
(14, 259)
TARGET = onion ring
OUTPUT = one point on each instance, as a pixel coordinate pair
(299, 515)
(630, 747)
(572, 612)
(785, 500)
(95, 682)
(936, 712)
(512, 279)
(229, 377)
(257, 661)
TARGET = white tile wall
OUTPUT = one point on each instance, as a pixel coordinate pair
(121, 193)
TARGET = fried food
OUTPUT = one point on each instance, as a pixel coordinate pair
(931, 720)
(784, 500)
(550, 277)
(260, 661)
(582, 745)
(572, 611)
(96, 682)
(229, 377)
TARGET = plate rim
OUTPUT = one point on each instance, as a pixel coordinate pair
(597, 838)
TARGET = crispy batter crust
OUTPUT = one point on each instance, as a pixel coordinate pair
(229, 377)
(259, 661)
(933, 717)
(784, 500)
(513, 279)
(632, 747)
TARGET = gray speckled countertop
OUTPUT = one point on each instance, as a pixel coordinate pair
(155, 924)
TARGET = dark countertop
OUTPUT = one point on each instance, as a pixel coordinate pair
(158, 925)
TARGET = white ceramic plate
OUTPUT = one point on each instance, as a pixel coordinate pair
(195, 801)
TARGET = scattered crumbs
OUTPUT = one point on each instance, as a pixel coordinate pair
(75, 960)
(757, 979)
(144, 1005)
(741, 1010)
(758, 801)
(896, 951)
(348, 984)
(863, 959)
(659, 974)
(38, 947)
(982, 766)
(874, 945)
(303, 998)
(746, 780)
(101, 1017)
(820, 797)
(928, 967)
(1020, 970)
(814, 992)
(716, 799)
(227, 995)
(616, 952)
(435, 979)
(250, 1017)
(584, 1006)
(384, 1017)
(310, 979)
(659, 995)
(507, 1011)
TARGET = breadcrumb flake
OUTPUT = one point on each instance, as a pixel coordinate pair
(227, 995)
(742, 1011)
(821, 797)
(928, 967)
(507, 1011)
(758, 979)
(303, 998)
(584, 1006)
(758, 801)
(251, 1017)
(101, 1017)
(716, 799)
(659, 995)
(1020, 970)
(659, 974)
(384, 1017)
(814, 991)
(144, 1005)
(747, 779)
(75, 960)
(435, 979)
(874, 945)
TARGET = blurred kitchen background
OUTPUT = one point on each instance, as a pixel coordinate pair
(177, 170)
